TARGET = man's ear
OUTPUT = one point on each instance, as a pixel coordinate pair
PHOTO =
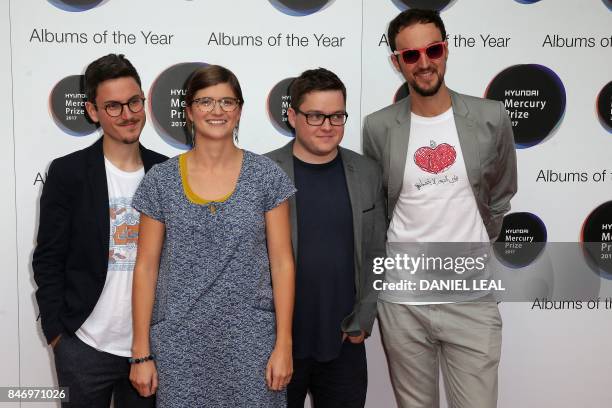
(92, 111)
(292, 117)
(395, 62)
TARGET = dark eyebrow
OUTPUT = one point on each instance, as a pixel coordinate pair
(321, 113)
(129, 99)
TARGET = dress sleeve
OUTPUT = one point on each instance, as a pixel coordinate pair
(148, 197)
(277, 186)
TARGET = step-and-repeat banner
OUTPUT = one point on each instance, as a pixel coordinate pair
(548, 61)
(9, 290)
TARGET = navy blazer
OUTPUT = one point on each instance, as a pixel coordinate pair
(70, 260)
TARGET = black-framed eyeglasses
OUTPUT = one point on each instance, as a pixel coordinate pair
(115, 109)
(318, 118)
(207, 104)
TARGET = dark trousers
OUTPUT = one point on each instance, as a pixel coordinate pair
(94, 377)
(339, 383)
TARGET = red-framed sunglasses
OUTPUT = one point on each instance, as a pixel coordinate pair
(412, 55)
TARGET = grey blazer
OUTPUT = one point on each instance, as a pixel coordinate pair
(487, 143)
(364, 184)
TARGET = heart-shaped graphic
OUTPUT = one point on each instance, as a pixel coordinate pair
(435, 159)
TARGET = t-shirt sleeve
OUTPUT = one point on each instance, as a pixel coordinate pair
(277, 186)
(148, 197)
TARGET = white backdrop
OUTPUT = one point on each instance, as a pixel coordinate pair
(550, 358)
(9, 292)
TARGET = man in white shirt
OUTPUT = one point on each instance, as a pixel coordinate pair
(87, 239)
(449, 172)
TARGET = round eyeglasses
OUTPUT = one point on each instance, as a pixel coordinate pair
(115, 109)
(207, 104)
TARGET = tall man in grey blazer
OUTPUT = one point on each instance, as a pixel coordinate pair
(338, 228)
(449, 172)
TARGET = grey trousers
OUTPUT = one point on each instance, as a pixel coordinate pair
(94, 377)
(464, 339)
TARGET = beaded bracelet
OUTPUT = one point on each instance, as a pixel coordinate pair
(133, 360)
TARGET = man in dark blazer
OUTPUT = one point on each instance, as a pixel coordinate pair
(87, 239)
(338, 228)
(449, 172)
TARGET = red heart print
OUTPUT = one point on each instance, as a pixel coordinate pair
(435, 159)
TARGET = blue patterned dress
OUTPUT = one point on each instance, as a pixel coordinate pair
(213, 324)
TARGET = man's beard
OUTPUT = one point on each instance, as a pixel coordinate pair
(427, 92)
(130, 141)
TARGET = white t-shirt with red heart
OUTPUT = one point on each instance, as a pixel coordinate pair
(436, 202)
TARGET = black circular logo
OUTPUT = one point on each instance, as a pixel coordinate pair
(401, 93)
(604, 106)
(597, 240)
(300, 7)
(167, 103)
(437, 5)
(534, 98)
(67, 106)
(278, 103)
(522, 238)
(527, 1)
(76, 5)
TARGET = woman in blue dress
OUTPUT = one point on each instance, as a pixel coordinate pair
(213, 284)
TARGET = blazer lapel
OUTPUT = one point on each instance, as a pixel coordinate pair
(398, 151)
(145, 157)
(354, 190)
(99, 194)
(469, 144)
